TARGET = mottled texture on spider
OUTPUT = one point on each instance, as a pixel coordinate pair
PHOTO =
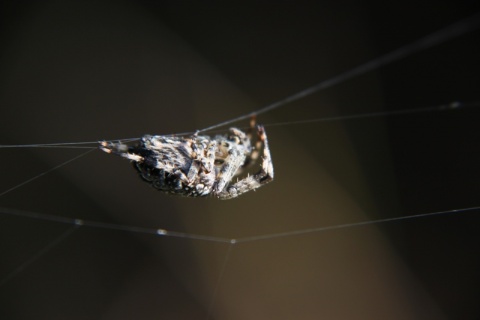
(199, 166)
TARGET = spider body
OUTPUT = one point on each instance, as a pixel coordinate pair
(199, 166)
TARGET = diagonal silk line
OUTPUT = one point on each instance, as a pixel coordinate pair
(38, 255)
(45, 172)
(61, 144)
(455, 30)
(350, 225)
(444, 107)
(219, 280)
(111, 226)
(231, 241)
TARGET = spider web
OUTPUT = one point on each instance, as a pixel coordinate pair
(88, 239)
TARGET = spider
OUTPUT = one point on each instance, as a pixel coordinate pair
(199, 166)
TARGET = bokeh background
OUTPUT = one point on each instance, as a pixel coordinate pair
(76, 71)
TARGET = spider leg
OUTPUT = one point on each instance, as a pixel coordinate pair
(196, 156)
(119, 149)
(203, 157)
(264, 176)
(253, 155)
(209, 161)
(232, 163)
(236, 158)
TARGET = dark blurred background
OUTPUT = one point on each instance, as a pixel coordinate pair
(76, 71)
